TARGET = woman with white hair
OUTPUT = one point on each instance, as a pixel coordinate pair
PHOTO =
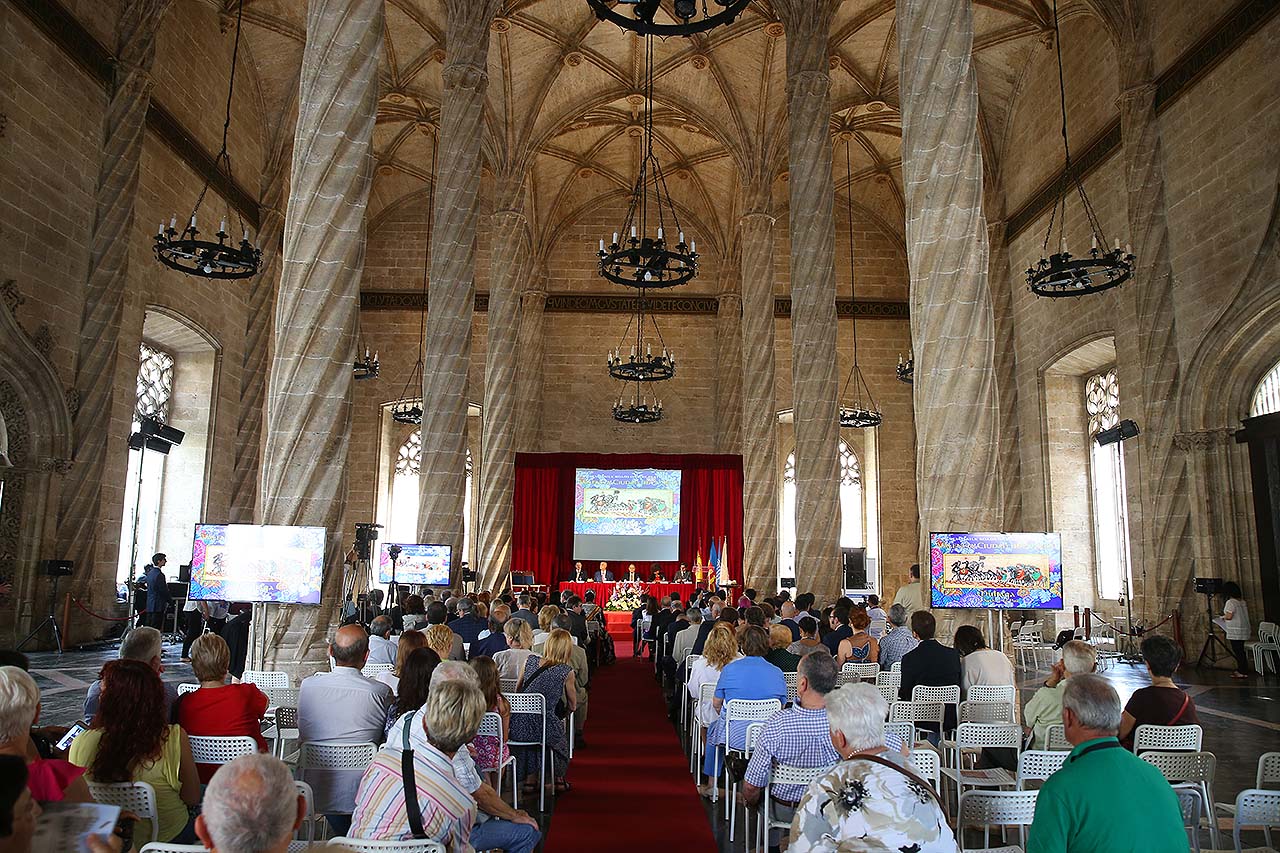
(50, 779)
(870, 800)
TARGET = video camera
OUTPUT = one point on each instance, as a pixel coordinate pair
(366, 535)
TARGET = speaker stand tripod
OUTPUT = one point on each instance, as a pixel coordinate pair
(1214, 648)
(50, 620)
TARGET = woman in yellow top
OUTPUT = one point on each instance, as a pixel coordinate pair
(131, 740)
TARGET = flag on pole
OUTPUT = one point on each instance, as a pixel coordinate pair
(713, 561)
(724, 557)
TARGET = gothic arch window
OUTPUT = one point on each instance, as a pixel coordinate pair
(403, 524)
(851, 509)
(145, 476)
(1266, 397)
(1110, 497)
(155, 385)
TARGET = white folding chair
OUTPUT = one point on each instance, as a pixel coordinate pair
(784, 774)
(903, 731)
(992, 693)
(1168, 738)
(888, 684)
(373, 670)
(1268, 779)
(534, 703)
(136, 797)
(266, 679)
(1256, 808)
(1192, 768)
(793, 685)
(987, 809)
(1055, 738)
(184, 689)
(1037, 765)
(334, 756)
(686, 700)
(284, 727)
(743, 712)
(917, 713)
(220, 750)
(972, 738)
(491, 726)
(897, 667)
(359, 845)
(985, 712)
(731, 800)
(509, 685)
(926, 762)
(307, 832)
(697, 738)
(852, 672)
(946, 694)
(1192, 807)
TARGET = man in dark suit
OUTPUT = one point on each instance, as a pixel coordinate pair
(683, 575)
(525, 611)
(790, 620)
(840, 628)
(577, 620)
(632, 573)
(579, 575)
(496, 641)
(603, 575)
(930, 663)
(468, 625)
(158, 596)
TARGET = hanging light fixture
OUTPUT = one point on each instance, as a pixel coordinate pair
(685, 11)
(408, 410)
(640, 408)
(1062, 273)
(184, 250)
(859, 414)
(642, 364)
(641, 253)
(367, 367)
(907, 369)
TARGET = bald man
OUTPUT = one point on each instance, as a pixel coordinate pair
(343, 706)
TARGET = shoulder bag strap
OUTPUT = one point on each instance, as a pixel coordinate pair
(1186, 700)
(529, 679)
(409, 775)
(923, 783)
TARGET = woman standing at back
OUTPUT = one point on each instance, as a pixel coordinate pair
(1235, 615)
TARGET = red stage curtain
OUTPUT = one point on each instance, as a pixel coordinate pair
(542, 529)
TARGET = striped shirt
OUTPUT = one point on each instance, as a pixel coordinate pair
(448, 810)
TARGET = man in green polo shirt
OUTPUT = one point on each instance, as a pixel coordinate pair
(1104, 799)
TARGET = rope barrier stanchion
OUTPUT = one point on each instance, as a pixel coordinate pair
(77, 603)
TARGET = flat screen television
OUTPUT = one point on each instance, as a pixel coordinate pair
(996, 571)
(419, 564)
(249, 562)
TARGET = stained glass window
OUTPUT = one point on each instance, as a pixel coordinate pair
(1110, 500)
(1102, 401)
(155, 385)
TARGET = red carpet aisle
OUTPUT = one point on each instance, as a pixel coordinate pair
(632, 789)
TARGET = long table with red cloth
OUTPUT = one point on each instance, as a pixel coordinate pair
(604, 591)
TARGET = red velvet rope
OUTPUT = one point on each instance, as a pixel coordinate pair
(77, 603)
(1118, 630)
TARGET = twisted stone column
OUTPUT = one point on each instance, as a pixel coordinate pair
(1010, 460)
(729, 372)
(760, 492)
(308, 424)
(447, 353)
(533, 303)
(952, 326)
(84, 511)
(255, 361)
(509, 266)
(813, 296)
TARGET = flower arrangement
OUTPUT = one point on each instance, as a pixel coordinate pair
(627, 595)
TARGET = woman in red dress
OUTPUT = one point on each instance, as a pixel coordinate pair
(219, 709)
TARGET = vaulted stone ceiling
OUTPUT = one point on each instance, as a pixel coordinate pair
(564, 102)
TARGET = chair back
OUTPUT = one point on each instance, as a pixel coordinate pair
(889, 692)
(904, 731)
(220, 750)
(491, 726)
(793, 684)
(286, 717)
(359, 845)
(509, 685)
(864, 671)
(992, 693)
(926, 764)
(1191, 804)
(897, 667)
(279, 696)
(532, 704)
(336, 755)
(1256, 808)
(987, 809)
(877, 627)
(266, 679)
(1268, 771)
(748, 710)
(1037, 765)
(754, 731)
(157, 847)
(948, 694)
(306, 832)
(1183, 766)
(892, 677)
(986, 712)
(136, 797)
(786, 774)
(1181, 738)
(989, 735)
(372, 670)
(916, 712)
(184, 689)
(1055, 738)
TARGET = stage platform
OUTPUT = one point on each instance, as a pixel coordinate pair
(618, 626)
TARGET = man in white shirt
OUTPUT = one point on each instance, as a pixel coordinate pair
(382, 649)
(911, 595)
(341, 706)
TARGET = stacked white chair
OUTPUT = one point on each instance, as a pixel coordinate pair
(987, 809)
(491, 726)
(136, 797)
(1188, 738)
(534, 703)
(1267, 648)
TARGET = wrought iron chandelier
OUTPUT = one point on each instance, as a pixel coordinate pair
(409, 408)
(643, 20)
(907, 369)
(639, 409)
(637, 256)
(1062, 273)
(860, 414)
(642, 364)
(367, 367)
(185, 250)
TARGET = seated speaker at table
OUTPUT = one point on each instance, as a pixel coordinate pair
(683, 575)
(603, 575)
(657, 577)
(579, 574)
(633, 574)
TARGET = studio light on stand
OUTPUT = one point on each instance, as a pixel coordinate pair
(154, 435)
(1123, 431)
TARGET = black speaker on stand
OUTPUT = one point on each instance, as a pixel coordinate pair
(56, 569)
(853, 562)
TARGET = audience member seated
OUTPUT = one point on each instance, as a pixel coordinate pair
(721, 650)
(754, 615)
(414, 684)
(497, 825)
(581, 678)
(930, 663)
(899, 640)
(512, 661)
(981, 666)
(552, 676)
(546, 621)
(414, 614)
(468, 625)
(219, 709)
(494, 640)
(858, 647)
(19, 812)
(840, 629)
(440, 640)
(790, 618)
(710, 619)
(345, 707)
(132, 740)
(438, 614)
(1044, 709)
(524, 605)
(682, 645)
(1104, 799)
(576, 612)
(382, 649)
(489, 752)
(749, 677)
(410, 641)
(808, 642)
(51, 780)
(868, 801)
(798, 736)
(144, 644)
(1163, 703)
(251, 804)
(779, 653)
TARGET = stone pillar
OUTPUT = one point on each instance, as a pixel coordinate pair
(813, 296)
(729, 371)
(1006, 362)
(952, 327)
(447, 353)
(509, 267)
(533, 303)
(760, 489)
(83, 501)
(255, 358)
(308, 423)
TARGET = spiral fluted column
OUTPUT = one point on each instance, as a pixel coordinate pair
(729, 372)
(447, 353)
(952, 327)
(308, 423)
(1001, 280)
(813, 295)
(533, 303)
(84, 510)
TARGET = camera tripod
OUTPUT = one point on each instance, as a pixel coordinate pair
(50, 620)
(1214, 648)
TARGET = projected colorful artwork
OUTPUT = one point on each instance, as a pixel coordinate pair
(1000, 571)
